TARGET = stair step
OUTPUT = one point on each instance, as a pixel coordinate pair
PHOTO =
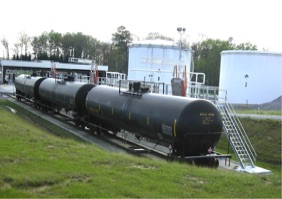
(235, 134)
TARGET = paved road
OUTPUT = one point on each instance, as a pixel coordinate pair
(273, 117)
(7, 88)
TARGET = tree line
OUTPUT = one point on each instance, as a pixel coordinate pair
(59, 47)
(207, 56)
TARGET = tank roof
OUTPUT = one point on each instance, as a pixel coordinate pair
(250, 52)
(155, 42)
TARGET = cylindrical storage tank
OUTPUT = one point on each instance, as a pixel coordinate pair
(192, 125)
(28, 86)
(68, 95)
(250, 77)
(154, 60)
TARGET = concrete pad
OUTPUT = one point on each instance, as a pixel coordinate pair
(7, 88)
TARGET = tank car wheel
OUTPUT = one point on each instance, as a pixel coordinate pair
(18, 98)
(139, 138)
(99, 131)
(82, 125)
(37, 106)
(201, 162)
(77, 123)
(92, 129)
(45, 109)
(214, 163)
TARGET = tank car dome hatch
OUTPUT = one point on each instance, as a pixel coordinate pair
(250, 77)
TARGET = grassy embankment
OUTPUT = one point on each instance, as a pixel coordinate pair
(35, 162)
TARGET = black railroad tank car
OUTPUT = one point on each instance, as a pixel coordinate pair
(192, 126)
(27, 86)
(64, 94)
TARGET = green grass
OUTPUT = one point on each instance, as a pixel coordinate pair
(38, 121)
(265, 136)
(38, 163)
(258, 112)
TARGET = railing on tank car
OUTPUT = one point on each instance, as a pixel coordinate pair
(203, 92)
(139, 87)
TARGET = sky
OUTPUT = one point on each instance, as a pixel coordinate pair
(254, 21)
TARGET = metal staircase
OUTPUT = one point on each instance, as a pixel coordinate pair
(232, 127)
(237, 136)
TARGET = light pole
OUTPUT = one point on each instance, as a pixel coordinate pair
(181, 31)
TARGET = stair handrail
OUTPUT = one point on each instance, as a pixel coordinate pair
(248, 144)
(228, 110)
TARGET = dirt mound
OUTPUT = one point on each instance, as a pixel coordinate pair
(273, 105)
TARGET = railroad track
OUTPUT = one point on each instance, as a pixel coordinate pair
(120, 142)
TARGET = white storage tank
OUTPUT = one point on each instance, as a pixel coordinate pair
(250, 77)
(154, 60)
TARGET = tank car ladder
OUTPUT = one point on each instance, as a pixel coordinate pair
(237, 136)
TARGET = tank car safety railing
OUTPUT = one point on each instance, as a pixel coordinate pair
(203, 92)
(236, 134)
(112, 82)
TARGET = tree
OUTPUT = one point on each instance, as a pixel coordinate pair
(16, 50)
(67, 46)
(79, 45)
(119, 52)
(155, 35)
(207, 58)
(79, 42)
(24, 41)
(5, 43)
(55, 45)
(40, 46)
(245, 46)
(103, 53)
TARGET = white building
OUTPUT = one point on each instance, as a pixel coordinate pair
(250, 77)
(15, 67)
(154, 61)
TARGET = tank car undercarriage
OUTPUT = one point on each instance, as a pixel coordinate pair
(210, 159)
